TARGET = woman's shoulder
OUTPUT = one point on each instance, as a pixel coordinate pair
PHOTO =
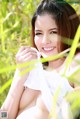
(74, 69)
(76, 61)
(73, 66)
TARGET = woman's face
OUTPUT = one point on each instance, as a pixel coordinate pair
(46, 35)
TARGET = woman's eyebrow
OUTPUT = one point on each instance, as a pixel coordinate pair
(53, 29)
(37, 30)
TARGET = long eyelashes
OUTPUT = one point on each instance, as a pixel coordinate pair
(50, 32)
(38, 33)
(53, 32)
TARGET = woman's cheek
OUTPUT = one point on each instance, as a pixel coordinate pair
(37, 41)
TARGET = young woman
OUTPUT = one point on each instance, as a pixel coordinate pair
(31, 95)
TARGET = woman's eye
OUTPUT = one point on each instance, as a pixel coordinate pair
(37, 33)
(53, 32)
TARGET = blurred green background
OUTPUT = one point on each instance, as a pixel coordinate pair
(15, 30)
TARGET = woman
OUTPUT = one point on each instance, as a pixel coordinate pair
(30, 96)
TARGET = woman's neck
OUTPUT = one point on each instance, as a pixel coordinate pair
(56, 64)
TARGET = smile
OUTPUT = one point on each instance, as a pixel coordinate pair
(48, 49)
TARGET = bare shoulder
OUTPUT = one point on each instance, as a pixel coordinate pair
(75, 67)
(76, 60)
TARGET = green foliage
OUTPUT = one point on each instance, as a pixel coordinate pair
(15, 30)
(15, 26)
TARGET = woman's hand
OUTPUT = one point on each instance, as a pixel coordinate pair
(25, 55)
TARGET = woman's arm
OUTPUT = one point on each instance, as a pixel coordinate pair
(11, 104)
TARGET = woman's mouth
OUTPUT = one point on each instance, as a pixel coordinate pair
(48, 49)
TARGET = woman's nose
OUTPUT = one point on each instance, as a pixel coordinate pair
(46, 39)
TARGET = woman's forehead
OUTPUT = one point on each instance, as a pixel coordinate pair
(45, 20)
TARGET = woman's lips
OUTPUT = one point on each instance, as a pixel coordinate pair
(48, 49)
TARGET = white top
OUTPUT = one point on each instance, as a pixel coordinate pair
(49, 83)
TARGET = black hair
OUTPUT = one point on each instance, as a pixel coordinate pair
(66, 19)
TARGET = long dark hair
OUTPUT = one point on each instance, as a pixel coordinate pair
(66, 19)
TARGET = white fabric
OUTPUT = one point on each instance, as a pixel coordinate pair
(34, 79)
(53, 84)
(48, 82)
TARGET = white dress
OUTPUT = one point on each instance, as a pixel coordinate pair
(49, 83)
